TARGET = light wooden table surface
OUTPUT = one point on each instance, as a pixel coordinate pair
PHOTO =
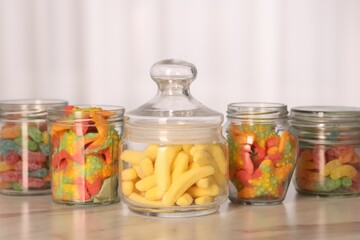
(299, 217)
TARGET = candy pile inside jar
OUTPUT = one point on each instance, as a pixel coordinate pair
(261, 160)
(85, 156)
(328, 160)
(174, 175)
(328, 169)
(24, 147)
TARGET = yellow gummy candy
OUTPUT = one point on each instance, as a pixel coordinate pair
(4, 167)
(343, 171)
(128, 174)
(184, 200)
(330, 166)
(146, 183)
(146, 168)
(203, 200)
(127, 187)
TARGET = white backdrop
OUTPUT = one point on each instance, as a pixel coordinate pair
(301, 52)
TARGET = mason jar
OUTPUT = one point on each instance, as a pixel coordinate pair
(174, 162)
(24, 146)
(328, 160)
(262, 152)
(85, 149)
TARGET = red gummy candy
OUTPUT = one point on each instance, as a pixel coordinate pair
(36, 157)
(11, 158)
(33, 183)
(10, 176)
(275, 157)
(244, 176)
(272, 142)
(94, 188)
(31, 165)
(247, 163)
(58, 157)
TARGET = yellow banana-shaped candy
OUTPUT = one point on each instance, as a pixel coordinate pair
(184, 182)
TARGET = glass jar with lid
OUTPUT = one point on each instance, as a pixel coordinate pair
(262, 152)
(174, 162)
(85, 150)
(329, 140)
(24, 146)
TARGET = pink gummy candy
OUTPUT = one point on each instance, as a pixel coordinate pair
(10, 176)
(11, 158)
(33, 183)
(31, 165)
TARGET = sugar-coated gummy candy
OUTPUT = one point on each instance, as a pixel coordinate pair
(4, 166)
(32, 145)
(10, 176)
(39, 173)
(8, 145)
(35, 134)
(33, 182)
(10, 131)
(329, 185)
(336, 169)
(11, 157)
(346, 181)
(34, 157)
(343, 171)
(30, 165)
(84, 157)
(261, 160)
(17, 186)
(45, 148)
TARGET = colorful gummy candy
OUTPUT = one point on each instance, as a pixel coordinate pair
(261, 162)
(24, 161)
(85, 157)
(332, 170)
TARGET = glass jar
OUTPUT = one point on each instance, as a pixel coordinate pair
(24, 146)
(262, 152)
(174, 162)
(329, 140)
(85, 143)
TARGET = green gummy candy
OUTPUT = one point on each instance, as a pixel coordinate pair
(32, 146)
(346, 182)
(16, 186)
(35, 134)
(93, 165)
(331, 184)
(109, 190)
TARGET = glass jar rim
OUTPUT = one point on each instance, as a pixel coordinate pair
(29, 108)
(326, 124)
(257, 110)
(58, 114)
(324, 114)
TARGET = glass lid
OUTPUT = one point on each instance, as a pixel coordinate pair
(323, 114)
(173, 105)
